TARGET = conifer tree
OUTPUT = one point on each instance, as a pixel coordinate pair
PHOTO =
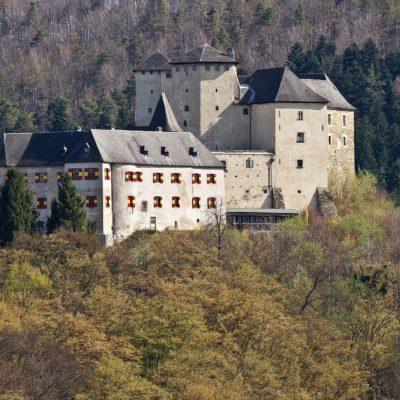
(68, 211)
(17, 213)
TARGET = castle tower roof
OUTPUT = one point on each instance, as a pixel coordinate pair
(321, 84)
(156, 62)
(204, 54)
(279, 85)
(164, 117)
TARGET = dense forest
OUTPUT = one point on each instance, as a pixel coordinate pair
(308, 312)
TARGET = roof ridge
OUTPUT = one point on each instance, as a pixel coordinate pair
(202, 51)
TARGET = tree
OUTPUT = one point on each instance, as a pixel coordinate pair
(68, 211)
(58, 115)
(17, 212)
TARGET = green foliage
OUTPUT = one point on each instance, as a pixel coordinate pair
(68, 211)
(58, 115)
(17, 212)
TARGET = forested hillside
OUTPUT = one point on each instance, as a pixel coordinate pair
(308, 312)
(69, 63)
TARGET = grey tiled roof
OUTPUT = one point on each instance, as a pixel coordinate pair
(204, 54)
(156, 62)
(279, 85)
(262, 211)
(321, 84)
(123, 147)
(164, 117)
(113, 146)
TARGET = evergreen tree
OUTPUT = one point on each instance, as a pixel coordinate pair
(295, 59)
(68, 211)
(58, 115)
(17, 213)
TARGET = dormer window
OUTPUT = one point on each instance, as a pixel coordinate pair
(164, 151)
(192, 152)
(143, 151)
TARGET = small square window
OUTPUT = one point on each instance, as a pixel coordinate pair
(217, 108)
(216, 90)
(143, 72)
(168, 75)
(187, 90)
(41, 177)
(157, 202)
(151, 72)
(299, 191)
(249, 163)
(158, 177)
(76, 174)
(131, 202)
(211, 178)
(300, 137)
(300, 115)
(207, 68)
(245, 111)
(196, 178)
(91, 201)
(59, 177)
(91, 174)
(176, 202)
(176, 177)
(217, 68)
(149, 110)
(211, 202)
(186, 108)
(185, 123)
(41, 203)
(151, 91)
(299, 163)
(196, 202)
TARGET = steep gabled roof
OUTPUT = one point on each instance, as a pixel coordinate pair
(279, 85)
(156, 62)
(321, 84)
(164, 117)
(113, 146)
(204, 54)
(123, 147)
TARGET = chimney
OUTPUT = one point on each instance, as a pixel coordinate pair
(79, 128)
(159, 129)
(113, 127)
(230, 53)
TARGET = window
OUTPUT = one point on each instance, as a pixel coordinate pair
(196, 202)
(196, 178)
(187, 90)
(131, 202)
(168, 75)
(149, 110)
(129, 176)
(157, 202)
(249, 163)
(158, 177)
(91, 174)
(299, 163)
(344, 141)
(194, 68)
(217, 108)
(76, 174)
(186, 108)
(143, 72)
(41, 203)
(208, 68)
(216, 90)
(217, 68)
(41, 177)
(151, 72)
(176, 177)
(330, 140)
(329, 119)
(107, 174)
(177, 69)
(59, 176)
(108, 201)
(344, 120)
(245, 111)
(211, 178)
(226, 67)
(138, 177)
(91, 201)
(176, 202)
(300, 137)
(300, 115)
(185, 123)
(144, 205)
(211, 202)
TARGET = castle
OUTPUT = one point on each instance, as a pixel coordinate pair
(263, 148)
(279, 135)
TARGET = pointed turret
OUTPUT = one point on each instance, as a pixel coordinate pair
(164, 117)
